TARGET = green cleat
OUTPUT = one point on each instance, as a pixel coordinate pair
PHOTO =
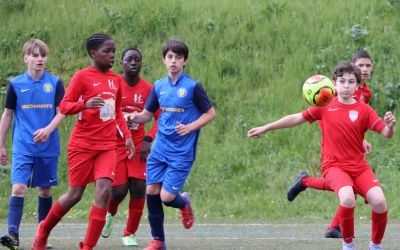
(107, 229)
(129, 240)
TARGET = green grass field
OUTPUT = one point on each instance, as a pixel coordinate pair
(252, 58)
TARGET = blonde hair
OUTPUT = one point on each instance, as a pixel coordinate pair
(33, 45)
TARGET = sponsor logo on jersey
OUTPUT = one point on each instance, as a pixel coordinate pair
(111, 84)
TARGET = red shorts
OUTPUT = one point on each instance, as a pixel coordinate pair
(87, 166)
(129, 168)
(361, 181)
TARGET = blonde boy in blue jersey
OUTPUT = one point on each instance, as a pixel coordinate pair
(32, 99)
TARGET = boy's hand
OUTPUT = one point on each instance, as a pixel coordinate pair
(3, 156)
(94, 102)
(41, 135)
(367, 147)
(389, 119)
(182, 129)
(130, 148)
(145, 150)
(256, 132)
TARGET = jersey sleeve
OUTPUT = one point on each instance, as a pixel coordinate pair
(11, 97)
(59, 93)
(201, 99)
(312, 114)
(152, 103)
(374, 121)
(72, 104)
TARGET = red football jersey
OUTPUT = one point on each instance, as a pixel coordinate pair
(133, 100)
(344, 127)
(363, 93)
(96, 128)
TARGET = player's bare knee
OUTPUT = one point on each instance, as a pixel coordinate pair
(348, 201)
(153, 189)
(379, 205)
(44, 192)
(119, 194)
(166, 196)
(19, 190)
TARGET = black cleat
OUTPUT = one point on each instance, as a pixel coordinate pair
(296, 188)
(335, 233)
(10, 241)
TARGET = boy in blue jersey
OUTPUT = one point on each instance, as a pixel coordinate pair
(185, 108)
(32, 98)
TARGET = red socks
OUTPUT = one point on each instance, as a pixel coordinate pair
(316, 183)
(346, 221)
(335, 220)
(53, 217)
(379, 222)
(97, 219)
(113, 206)
(136, 206)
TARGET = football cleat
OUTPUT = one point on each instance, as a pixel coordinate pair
(187, 212)
(108, 226)
(156, 245)
(296, 188)
(129, 240)
(10, 241)
(335, 233)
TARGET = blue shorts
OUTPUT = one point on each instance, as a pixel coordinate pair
(34, 171)
(172, 173)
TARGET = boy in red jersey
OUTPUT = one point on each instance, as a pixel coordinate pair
(363, 60)
(343, 163)
(130, 174)
(94, 94)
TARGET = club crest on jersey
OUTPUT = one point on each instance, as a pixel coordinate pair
(353, 115)
(137, 98)
(182, 92)
(47, 88)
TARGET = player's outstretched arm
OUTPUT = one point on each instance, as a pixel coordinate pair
(5, 123)
(285, 122)
(141, 117)
(388, 131)
(42, 134)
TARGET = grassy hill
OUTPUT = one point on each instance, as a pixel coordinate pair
(252, 58)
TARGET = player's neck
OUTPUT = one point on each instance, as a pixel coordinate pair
(35, 74)
(362, 84)
(132, 80)
(174, 76)
(347, 101)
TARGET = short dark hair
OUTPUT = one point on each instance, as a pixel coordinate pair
(346, 67)
(128, 49)
(95, 41)
(177, 46)
(360, 54)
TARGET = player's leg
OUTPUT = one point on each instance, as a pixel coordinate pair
(175, 177)
(118, 193)
(342, 183)
(137, 190)
(80, 173)
(44, 176)
(369, 187)
(155, 173)
(103, 173)
(136, 169)
(21, 170)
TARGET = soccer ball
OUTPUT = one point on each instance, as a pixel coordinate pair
(318, 90)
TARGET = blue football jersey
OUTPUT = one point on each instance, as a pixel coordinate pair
(34, 103)
(182, 102)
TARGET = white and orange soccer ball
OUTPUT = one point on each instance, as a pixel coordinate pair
(318, 90)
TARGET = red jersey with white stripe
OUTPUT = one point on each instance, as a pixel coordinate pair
(96, 128)
(344, 127)
(133, 100)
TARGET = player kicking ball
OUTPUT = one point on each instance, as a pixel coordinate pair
(343, 163)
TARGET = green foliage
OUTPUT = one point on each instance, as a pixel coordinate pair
(252, 58)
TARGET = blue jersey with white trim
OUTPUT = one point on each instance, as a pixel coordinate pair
(182, 102)
(34, 103)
